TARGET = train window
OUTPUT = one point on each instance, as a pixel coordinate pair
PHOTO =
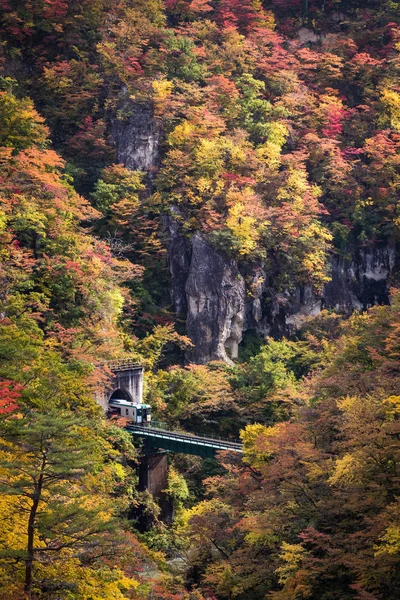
(139, 412)
(127, 411)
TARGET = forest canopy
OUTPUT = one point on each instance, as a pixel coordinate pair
(275, 127)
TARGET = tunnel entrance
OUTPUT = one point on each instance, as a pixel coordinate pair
(120, 395)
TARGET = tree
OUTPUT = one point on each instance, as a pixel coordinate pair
(9, 394)
(21, 125)
(50, 471)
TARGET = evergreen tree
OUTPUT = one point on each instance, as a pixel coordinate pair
(53, 479)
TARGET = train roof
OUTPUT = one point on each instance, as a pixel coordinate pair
(123, 402)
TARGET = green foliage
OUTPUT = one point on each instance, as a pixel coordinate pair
(119, 187)
(219, 398)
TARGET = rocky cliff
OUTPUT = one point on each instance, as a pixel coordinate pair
(210, 290)
(220, 304)
(136, 134)
(215, 295)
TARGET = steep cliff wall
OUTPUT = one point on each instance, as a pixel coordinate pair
(221, 305)
(215, 295)
(219, 302)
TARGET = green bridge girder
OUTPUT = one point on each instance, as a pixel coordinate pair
(183, 443)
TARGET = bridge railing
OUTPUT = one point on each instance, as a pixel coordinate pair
(165, 427)
(123, 364)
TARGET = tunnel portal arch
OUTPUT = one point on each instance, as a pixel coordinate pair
(120, 394)
(126, 383)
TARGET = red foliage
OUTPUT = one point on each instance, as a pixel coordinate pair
(89, 142)
(9, 394)
(55, 9)
(334, 127)
(238, 13)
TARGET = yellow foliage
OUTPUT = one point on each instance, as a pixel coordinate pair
(252, 432)
(390, 541)
(204, 184)
(268, 20)
(392, 406)
(102, 584)
(177, 486)
(314, 261)
(209, 156)
(358, 410)
(347, 471)
(270, 151)
(162, 89)
(237, 155)
(181, 134)
(3, 221)
(12, 528)
(252, 454)
(202, 510)
(292, 555)
(91, 583)
(391, 102)
(243, 228)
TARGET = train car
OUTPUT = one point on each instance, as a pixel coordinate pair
(139, 414)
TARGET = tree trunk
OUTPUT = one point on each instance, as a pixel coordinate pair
(31, 531)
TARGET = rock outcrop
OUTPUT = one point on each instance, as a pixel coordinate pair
(136, 134)
(215, 294)
(208, 287)
(179, 259)
(357, 283)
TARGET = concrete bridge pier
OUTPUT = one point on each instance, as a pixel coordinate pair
(153, 477)
(153, 473)
(126, 383)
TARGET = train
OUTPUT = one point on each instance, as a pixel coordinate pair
(138, 414)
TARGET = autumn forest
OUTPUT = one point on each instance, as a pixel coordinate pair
(210, 189)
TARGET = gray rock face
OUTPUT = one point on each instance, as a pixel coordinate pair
(179, 259)
(362, 281)
(208, 287)
(215, 294)
(136, 135)
(356, 284)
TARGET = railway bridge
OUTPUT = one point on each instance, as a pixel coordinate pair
(158, 435)
(127, 382)
(158, 440)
